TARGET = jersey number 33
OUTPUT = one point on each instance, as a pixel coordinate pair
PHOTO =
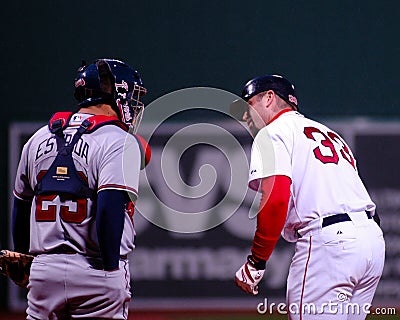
(326, 152)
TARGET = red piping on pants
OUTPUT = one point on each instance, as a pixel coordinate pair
(304, 280)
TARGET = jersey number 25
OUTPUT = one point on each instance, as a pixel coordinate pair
(72, 211)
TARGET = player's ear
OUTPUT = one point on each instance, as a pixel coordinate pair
(268, 97)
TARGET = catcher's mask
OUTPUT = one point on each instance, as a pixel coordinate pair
(115, 83)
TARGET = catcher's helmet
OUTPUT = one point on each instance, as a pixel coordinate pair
(281, 86)
(111, 82)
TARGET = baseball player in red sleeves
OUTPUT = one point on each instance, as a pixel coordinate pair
(311, 193)
(75, 189)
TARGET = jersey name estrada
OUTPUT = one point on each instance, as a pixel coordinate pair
(321, 166)
(109, 158)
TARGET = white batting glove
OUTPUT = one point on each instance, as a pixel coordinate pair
(248, 277)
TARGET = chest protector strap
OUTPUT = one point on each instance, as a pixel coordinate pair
(62, 177)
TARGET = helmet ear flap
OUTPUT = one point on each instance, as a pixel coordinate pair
(106, 77)
(107, 84)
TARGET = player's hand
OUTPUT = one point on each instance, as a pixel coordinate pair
(248, 277)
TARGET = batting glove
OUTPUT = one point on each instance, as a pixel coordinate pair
(249, 275)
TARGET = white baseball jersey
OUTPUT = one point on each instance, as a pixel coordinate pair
(321, 166)
(108, 157)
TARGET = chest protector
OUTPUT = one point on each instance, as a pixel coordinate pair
(62, 178)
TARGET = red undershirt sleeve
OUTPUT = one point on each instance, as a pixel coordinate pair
(271, 215)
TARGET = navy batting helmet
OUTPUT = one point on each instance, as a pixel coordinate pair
(111, 82)
(281, 86)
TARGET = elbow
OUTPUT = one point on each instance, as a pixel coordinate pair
(277, 204)
(281, 204)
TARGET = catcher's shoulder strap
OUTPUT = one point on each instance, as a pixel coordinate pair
(61, 120)
(62, 177)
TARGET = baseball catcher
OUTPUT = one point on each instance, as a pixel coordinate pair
(16, 266)
(75, 188)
